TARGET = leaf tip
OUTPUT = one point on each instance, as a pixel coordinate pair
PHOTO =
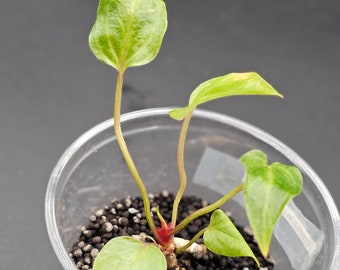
(257, 261)
(264, 251)
(181, 113)
(280, 95)
(176, 114)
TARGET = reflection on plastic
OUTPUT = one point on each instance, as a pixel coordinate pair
(221, 172)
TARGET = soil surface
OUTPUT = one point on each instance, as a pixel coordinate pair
(126, 217)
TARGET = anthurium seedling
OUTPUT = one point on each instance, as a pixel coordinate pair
(129, 33)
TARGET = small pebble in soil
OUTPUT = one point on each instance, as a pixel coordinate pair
(126, 217)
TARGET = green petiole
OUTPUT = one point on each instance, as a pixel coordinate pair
(180, 165)
(208, 209)
(193, 240)
(128, 159)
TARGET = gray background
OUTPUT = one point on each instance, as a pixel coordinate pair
(52, 89)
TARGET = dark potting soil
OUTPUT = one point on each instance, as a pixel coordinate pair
(126, 217)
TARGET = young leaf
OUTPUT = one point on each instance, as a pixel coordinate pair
(223, 238)
(267, 189)
(128, 32)
(249, 83)
(125, 252)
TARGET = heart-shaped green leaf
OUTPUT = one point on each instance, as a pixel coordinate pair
(124, 252)
(128, 32)
(267, 189)
(249, 83)
(223, 238)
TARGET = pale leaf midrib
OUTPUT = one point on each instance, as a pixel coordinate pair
(127, 37)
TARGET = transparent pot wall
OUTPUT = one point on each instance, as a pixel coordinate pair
(92, 172)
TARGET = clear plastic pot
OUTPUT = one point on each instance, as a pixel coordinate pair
(92, 171)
